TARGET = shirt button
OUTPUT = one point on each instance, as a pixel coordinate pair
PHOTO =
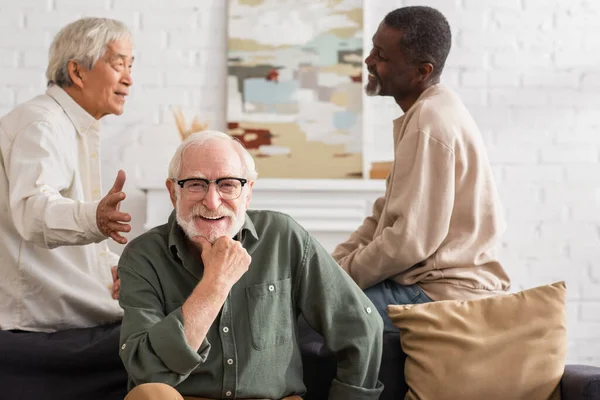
(368, 309)
(225, 329)
(94, 155)
(123, 347)
(96, 191)
(228, 393)
(230, 361)
(271, 288)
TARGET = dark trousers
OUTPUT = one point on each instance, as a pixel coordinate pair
(75, 364)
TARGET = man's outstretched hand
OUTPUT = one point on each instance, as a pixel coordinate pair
(109, 219)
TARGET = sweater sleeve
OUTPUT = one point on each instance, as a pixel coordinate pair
(420, 199)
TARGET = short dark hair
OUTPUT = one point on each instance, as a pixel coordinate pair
(427, 36)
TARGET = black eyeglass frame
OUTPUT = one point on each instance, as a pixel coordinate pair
(242, 181)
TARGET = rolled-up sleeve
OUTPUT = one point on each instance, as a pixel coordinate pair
(334, 306)
(153, 344)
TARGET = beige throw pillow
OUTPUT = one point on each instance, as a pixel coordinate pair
(504, 347)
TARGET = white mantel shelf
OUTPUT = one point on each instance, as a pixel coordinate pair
(330, 209)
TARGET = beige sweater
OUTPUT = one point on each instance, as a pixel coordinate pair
(441, 216)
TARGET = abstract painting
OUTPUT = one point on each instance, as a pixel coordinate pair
(295, 85)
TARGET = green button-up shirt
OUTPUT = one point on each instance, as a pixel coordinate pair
(251, 349)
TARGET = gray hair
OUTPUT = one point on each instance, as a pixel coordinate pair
(84, 41)
(202, 138)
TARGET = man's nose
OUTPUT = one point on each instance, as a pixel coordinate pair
(212, 200)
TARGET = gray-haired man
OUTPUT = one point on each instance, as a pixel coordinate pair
(59, 311)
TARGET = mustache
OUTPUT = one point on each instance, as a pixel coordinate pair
(373, 72)
(199, 210)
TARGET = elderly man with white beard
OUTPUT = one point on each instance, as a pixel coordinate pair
(212, 298)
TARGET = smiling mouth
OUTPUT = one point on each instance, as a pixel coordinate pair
(210, 218)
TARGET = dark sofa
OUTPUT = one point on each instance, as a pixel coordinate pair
(579, 382)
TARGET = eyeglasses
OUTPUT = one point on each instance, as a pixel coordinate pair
(228, 188)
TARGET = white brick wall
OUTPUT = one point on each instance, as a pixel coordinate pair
(529, 71)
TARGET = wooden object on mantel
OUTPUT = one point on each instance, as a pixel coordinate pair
(380, 170)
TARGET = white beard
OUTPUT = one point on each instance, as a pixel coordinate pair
(373, 92)
(189, 228)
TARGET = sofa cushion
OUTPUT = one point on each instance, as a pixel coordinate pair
(504, 347)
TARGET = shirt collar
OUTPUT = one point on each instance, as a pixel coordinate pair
(80, 118)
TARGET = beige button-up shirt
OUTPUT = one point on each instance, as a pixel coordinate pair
(54, 262)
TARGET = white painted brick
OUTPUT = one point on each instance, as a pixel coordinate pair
(8, 58)
(161, 5)
(539, 173)
(526, 211)
(166, 58)
(6, 97)
(580, 20)
(583, 174)
(130, 19)
(474, 79)
(467, 20)
(568, 58)
(569, 154)
(504, 79)
(11, 76)
(166, 96)
(153, 41)
(11, 19)
(583, 195)
(551, 79)
(148, 76)
(516, 59)
(591, 79)
(25, 94)
(472, 96)
(53, 19)
(189, 77)
(79, 5)
(584, 330)
(590, 290)
(524, 97)
(487, 5)
(510, 155)
(184, 21)
(23, 38)
(35, 58)
(184, 40)
(517, 20)
(27, 5)
(579, 136)
(207, 101)
(444, 6)
(562, 232)
(590, 249)
(595, 267)
(587, 97)
(490, 40)
(517, 136)
(451, 77)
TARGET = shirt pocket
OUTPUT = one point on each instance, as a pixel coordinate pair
(270, 313)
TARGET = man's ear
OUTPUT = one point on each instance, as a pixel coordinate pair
(75, 73)
(425, 70)
(250, 185)
(171, 188)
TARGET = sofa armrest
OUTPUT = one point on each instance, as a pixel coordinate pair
(580, 382)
